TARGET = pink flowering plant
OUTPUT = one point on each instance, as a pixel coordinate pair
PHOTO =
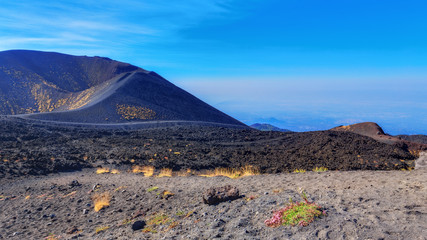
(296, 213)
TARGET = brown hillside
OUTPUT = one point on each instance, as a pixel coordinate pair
(373, 130)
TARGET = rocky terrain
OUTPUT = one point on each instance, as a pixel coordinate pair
(359, 205)
(374, 131)
(33, 148)
(415, 138)
(77, 132)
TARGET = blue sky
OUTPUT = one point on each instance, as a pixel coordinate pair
(298, 64)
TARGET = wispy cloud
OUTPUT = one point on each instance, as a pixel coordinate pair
(95, 25)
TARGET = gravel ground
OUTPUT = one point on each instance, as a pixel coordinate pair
(359, 204)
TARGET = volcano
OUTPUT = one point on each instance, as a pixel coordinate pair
(64, 88)
(373, 130)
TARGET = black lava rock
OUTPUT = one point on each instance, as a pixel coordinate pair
(214, 195)
(138, 225)
(75, 183)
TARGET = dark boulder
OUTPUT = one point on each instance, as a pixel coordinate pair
(138, 225)
(217, 195)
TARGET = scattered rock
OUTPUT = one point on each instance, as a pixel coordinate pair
(138, 225)
(214, 195)
(96, 186)
(72, 230)
(85, 211)
(74, 183)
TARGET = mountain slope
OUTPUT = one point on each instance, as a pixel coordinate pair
(268, 127)
(414, 138)
(373, 130)
(59, 87)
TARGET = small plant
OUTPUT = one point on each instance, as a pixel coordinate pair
(249, 170)
(159, 219)
(320, 169)
(101, 200)
(120, 188)
(189, 214)
(172, 225)
(166, 194)
(152, 189)
(52, 237)
(102, 170)
(299, 171)
(147, 170)
(233, 172)
(149, 229)
(115, 171)
(186, 173)
(180, 213)
(126, 221)
(101, 229)
(296, 213)
(165, 172)
(226, 172)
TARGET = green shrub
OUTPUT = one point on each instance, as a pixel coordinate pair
(296, 213)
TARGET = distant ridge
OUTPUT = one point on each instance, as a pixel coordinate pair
(374, 131)
(268, 127)
(414, 138)
(64, 88)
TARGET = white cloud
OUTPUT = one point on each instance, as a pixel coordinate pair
(111, 24)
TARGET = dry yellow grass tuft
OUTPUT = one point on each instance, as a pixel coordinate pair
(320, 169)
(166, 194)
(232, 172)
(115, 171)
(101, 229)
(52, 237)
(299, 171)
(102, 170)
(165, 172)
(227, 172)
(249, 170)
(101, 200)
(186, 173)
(147, 170)
(129, 112)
